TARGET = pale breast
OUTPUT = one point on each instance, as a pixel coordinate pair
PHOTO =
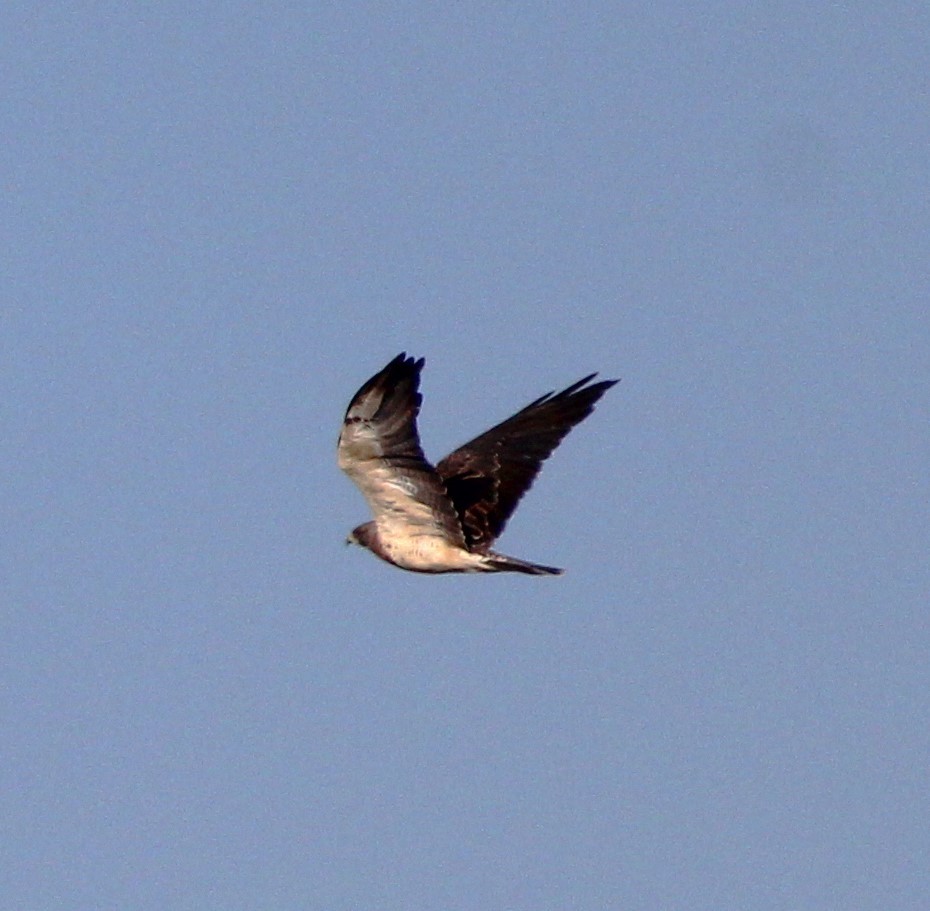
(430, 553)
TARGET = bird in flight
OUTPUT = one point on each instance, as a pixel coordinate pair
(444, 519)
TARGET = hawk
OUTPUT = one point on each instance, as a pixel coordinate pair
(444, 519)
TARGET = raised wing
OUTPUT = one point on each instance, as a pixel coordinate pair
(379, 449)
(486, 477)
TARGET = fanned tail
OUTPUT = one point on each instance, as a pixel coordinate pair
(498, 563)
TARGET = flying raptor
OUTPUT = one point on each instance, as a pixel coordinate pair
(445, 519)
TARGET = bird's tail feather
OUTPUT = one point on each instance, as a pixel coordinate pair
(498, 563)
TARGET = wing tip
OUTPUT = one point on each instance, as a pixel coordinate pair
(582, 385)
(401, 372)
(580, 388)
(406, 362)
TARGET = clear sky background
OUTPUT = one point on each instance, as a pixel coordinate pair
(219, 219)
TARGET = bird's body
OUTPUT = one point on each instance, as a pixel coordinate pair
(426, 552)
(444, 519)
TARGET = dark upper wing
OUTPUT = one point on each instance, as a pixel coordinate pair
(487, 477)
(379, 449)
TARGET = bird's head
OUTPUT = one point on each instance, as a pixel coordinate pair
(361, 535)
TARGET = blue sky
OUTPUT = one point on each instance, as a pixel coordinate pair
(219, 220)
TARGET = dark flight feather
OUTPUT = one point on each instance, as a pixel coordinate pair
(487, 477)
